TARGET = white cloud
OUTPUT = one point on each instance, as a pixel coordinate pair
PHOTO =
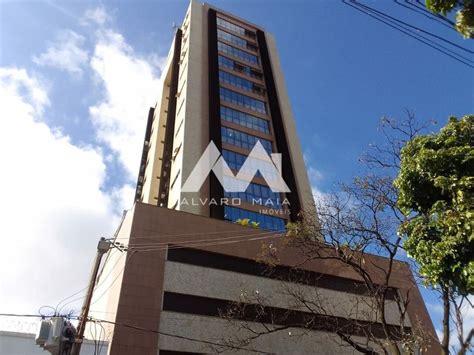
(98, 15)
(315, 178)
(315, 175)
(53, 208)
(65, 53)
(130, 88)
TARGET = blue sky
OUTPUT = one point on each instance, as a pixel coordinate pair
(78, 77)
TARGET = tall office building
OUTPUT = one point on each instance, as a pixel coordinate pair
(184, 264)
(223, 83)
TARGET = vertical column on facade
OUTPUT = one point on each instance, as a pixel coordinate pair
(170, 122)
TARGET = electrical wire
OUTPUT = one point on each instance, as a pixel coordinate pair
(102, 342)
(114, 280)
(405, 31)
(65, 299)
(187, 245)
(99, 274)
(93, 338)
(167, 247)
(178, 336)
(183, 234)
(412, 26)
(399, 25)
(23, 315)
(424, 13)
(39, 310)
(190, 244)
(422, 7)
(146, 245)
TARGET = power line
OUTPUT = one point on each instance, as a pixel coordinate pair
(184, 234)
(399, 27)
(407, 33)
(100, 273)
(65, 299)
(414, 27)
(244, 236)
(422, 7)
(424, 13)
(167, 247)
(159, 246)
(114, 280)
(23, 315)
(208, 342)
(190, 244)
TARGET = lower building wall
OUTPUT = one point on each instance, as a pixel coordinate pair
(156, 281)
(233, 286)
(215, 330)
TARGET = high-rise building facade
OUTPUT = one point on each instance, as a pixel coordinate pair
(184, 264)
(222, 83)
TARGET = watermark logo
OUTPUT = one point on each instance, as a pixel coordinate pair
(258, 162)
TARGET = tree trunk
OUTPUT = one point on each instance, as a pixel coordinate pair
(445, 341)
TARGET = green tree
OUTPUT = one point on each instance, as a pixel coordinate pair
(436, 191)
(464, 13)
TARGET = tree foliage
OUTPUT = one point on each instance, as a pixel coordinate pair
(436, 185)
(464, 14)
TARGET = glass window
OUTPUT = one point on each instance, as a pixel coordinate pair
(244, 119)
(236, 160)
(242, 100)
(236, 40)
(241, 68)
(257, 194)
(241, 83)
(235, 28)
(235, 52)
(244, 140)
(266, 222)
(231, 38)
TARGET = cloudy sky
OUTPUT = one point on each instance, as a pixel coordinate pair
(77, 79)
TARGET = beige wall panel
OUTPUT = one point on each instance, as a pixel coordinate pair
(301, 175)
(232, 286)
(215, 330)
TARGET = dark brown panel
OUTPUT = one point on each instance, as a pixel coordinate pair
(190, 304)
(146, 145)
(163, 191)
(280, 134)
(216, 190)
(280, 272)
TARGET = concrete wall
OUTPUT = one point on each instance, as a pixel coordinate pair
(215, 330)
(231, 286)
(192, 137)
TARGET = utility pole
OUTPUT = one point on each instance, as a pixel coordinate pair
(102, 248)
